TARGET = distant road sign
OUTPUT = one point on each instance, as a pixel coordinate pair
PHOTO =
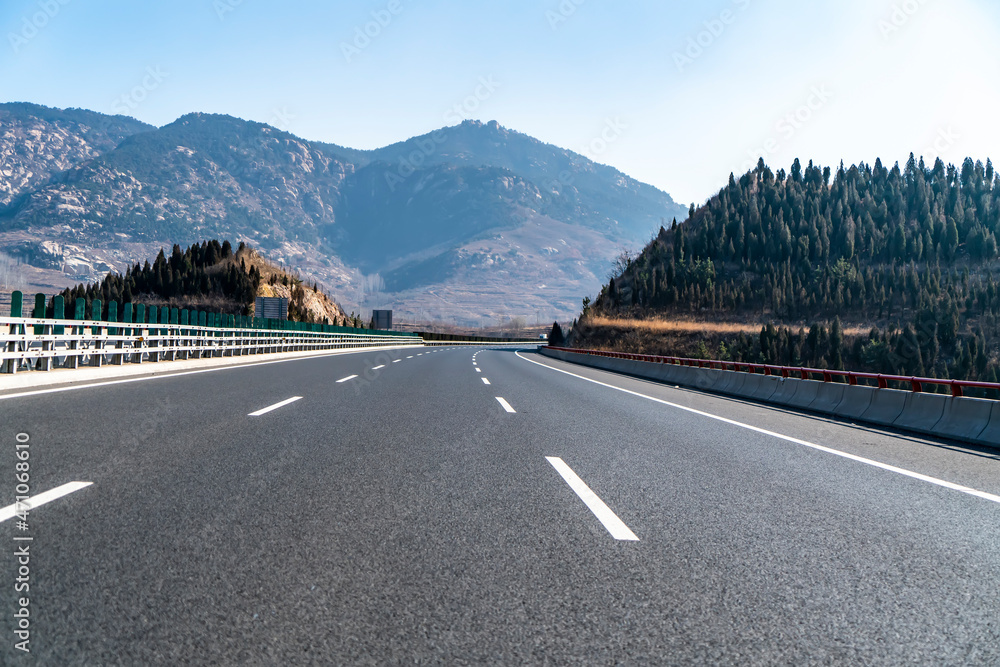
(271, 307)
(382, 319)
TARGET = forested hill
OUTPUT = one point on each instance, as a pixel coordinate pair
(910, 253)
(211, 276)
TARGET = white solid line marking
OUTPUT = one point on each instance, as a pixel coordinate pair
(396, 361)
(349, 377)
(42, 498)
(375, 368)
(485, 381)
(805, 443)
(615, 526)
(274, 407)
(505, 404)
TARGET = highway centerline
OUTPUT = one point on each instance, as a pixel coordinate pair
(505, 404)
(614, 525)
(42, 498)
(281, 404)
(805, 443)
(485, 381)
(375, 368)
(349, 377)
(478, 371)
(396, 361)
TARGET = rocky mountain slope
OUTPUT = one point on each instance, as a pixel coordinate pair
(467, 223)
(36, 143)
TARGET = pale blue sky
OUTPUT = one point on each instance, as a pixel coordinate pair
(882, 77)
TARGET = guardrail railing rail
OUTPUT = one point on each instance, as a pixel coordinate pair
(137, 334)
(879, 380)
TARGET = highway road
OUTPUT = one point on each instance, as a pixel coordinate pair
(476, 506)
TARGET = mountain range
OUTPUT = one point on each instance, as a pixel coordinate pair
(468, 223)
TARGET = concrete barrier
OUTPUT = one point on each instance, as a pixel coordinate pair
(828, 397)
(964, 418)
(664, 373)
(968, 419)
(991, 434)
(685, 375)
(886, 406)
(765, 390)
(857, 399)
(731, 383)
(805, 395)
(705, 379)
(786, 391)
(759, 387)
(922, 411)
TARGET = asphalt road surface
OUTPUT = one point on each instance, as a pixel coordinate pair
(465, 506)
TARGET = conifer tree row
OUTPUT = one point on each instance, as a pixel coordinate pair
(200, 276)
(910, 252)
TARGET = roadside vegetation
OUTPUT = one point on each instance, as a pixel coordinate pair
(867, 268)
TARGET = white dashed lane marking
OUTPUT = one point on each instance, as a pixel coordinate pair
(281, 404)
(506, 405)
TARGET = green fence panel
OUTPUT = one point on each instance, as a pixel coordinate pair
(175, 315)
(39, 312)
(202, 318)
(140, 314)
(96, 310)
(59, 313)
(127, 317)
(113, 317)
(16, 300)
(185, 317)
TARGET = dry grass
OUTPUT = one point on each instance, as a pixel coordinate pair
(681, 325)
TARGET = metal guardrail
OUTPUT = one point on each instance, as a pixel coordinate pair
(880, 380)
(44, 344)
(135, 334)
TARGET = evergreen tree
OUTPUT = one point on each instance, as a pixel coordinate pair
(556, 338)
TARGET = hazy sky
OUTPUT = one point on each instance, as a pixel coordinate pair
(677, 94)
